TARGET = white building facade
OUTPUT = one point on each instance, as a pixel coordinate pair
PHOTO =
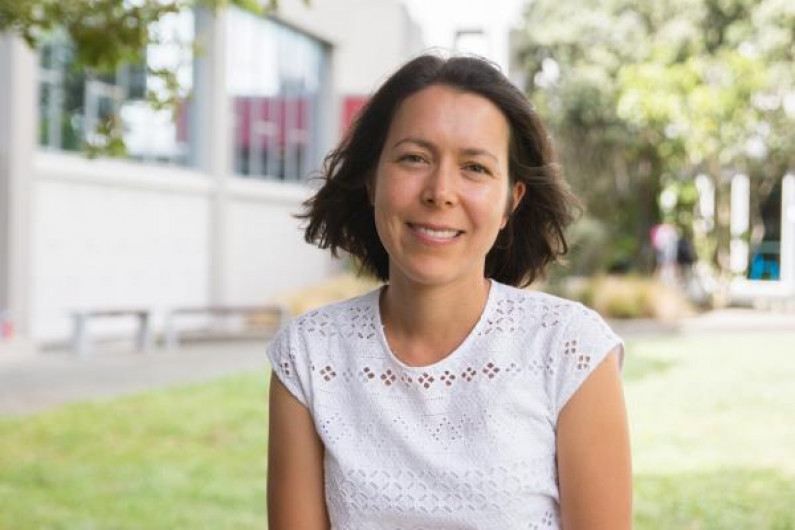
(200, 212)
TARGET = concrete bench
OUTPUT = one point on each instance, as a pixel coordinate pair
(172, 334)
(80, 339)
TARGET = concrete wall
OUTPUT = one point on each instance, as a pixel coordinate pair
(266, 252)
(114, 234)
(17, 144)
(117, 234)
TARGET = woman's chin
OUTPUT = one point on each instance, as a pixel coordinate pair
(429, 276)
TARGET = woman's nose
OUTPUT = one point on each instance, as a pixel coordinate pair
(440, 186)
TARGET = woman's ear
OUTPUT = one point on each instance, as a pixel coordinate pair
(515, 197)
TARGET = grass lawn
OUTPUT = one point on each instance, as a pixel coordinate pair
(712, 425)
(713, 431)
(189, 458)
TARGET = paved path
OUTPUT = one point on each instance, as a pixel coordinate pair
(35, 382)
(31, 383)
(733, 320)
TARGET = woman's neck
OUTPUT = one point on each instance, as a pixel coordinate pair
(423, 324)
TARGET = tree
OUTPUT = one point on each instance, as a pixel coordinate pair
(644, 94)
(105, 34)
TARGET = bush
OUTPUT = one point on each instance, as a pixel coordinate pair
(626, 296)
(336, 288)
(611, 296)
(590, 248)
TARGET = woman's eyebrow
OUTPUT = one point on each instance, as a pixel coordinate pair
(414, 140)
(469, 151)
(474, 151)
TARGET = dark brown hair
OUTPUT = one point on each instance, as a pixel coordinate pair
(341, 216)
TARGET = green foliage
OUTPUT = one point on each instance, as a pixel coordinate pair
(105, 34)
(641, 94)
(590, 247)
(107, 139)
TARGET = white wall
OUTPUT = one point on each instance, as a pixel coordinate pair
(110, 234)
(265, 250)
(441, 19)
(17, 144)
(5, 169)
(371, 38)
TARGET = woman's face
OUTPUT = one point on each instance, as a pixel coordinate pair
(441, 189)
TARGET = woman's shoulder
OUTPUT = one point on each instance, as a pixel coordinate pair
(313, 337)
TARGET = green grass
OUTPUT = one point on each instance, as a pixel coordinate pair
(192, 457)
(712, 421)
(713, 431)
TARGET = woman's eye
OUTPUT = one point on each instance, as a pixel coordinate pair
(411, 158)
(478, 168)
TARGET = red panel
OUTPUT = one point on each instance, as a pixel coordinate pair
(351, 105)
(268, 111)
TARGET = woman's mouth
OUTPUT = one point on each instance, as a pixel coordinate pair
(443, 234)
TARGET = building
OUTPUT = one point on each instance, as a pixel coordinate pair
(200, 212)
(762, 253)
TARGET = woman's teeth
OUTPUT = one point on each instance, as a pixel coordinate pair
(440, 234)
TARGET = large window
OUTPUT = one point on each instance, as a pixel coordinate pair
(275, 76)
(76, 107)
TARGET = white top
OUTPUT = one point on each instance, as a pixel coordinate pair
(467, 442)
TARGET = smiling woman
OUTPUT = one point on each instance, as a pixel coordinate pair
(449, 397)
(441, 191)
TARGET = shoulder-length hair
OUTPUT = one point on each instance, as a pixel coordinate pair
(340, 215)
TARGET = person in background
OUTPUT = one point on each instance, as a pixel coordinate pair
(449, 397)
(665, 241)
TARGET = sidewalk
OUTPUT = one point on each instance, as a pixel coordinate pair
(34, 382)
(731, 320)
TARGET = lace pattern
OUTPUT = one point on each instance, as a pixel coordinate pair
(467, 442)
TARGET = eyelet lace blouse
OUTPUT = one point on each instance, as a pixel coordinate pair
(465, 443)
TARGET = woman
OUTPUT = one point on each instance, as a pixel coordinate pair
(449, 398)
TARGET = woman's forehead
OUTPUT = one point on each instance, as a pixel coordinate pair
(451, 117)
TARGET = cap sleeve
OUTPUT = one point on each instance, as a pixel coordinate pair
(289, 364)
(584, 344)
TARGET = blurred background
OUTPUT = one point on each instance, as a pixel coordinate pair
(152, 153)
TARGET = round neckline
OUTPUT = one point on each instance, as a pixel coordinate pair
(457, 352)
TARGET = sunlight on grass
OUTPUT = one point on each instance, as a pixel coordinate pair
(712, 431)
(192, 457)
(711, 420)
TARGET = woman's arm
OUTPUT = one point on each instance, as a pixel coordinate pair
(296, 499)
(594, 463)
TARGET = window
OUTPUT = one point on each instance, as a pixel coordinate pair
(74, 104)
(275, 77)
(765, 252)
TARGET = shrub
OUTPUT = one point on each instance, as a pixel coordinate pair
(627, 296)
